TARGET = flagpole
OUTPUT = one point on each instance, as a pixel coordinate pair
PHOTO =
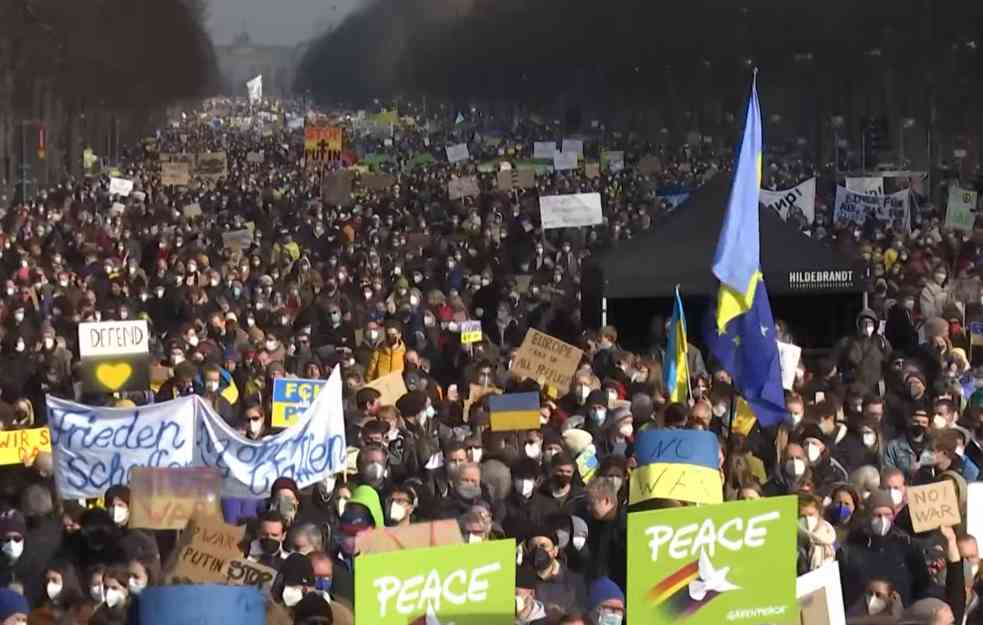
(729, 443)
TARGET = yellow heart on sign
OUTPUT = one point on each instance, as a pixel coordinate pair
(113, 376)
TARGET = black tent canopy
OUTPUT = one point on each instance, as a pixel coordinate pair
(681, 249)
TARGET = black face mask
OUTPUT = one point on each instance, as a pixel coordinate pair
(269, 545)
(916, 431)
(562, 481)
(541, 560)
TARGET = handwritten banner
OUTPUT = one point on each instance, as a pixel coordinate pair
(933, 505)
(175, 174)
(573, 210)
(459, 188)
(546, 360)
(95, 448)
(682, 465)
(206, 551)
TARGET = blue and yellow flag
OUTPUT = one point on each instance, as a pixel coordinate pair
(676, 464)
(515, 411)
(677, 365)
(741, 332)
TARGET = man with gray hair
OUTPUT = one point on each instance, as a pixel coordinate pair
(305, 539)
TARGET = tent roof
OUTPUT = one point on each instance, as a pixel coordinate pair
(681, 249)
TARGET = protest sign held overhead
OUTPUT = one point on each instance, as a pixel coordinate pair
(176, 174)
(573, 145)
(391, 386)
(23, 446)
(165, 498)
(471, 584)
(322, 144)
(544, 150)
(960, 211)
(515, 411)
(115, 356)
(546, 360)
(120, 186)
(707, 565)
(206, 550)
(564, 161)
(458, 153)
(470, 332)
(212, 166)
(682, 465)
(570, 211)
(336, 188)
(467, 186)
(291, 397)
(799, 200)
(933, 505)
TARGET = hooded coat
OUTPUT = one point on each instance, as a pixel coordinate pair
(861, 358)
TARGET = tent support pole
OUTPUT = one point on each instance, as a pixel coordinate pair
(604, 311)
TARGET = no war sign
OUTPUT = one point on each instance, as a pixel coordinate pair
(471, 584)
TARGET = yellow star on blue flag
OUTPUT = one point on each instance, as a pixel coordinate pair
(741, 332)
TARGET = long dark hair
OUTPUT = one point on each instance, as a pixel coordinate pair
(71, 588)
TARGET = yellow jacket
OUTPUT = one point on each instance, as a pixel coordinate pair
(385, 360)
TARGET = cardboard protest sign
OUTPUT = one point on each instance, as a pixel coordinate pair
(592, 170)
(727, 563)
(120, 186)
(788, 356)
(291, 397)
(192, 210)
(248, 573)
(115, 356)
(683, 465)
(336, 188)
(207, 548)
(23, 446)
(503, 180)
(165, 498)
(413, 536)
(458, 153)
(459, 188)
(460, 584)
(573, 145)
(255, 157)
(572, 210)
(378, 182)
(391, 386)
(208, 604)
(475, 393)
(933, 505)
(546, 360)
(470, 332)
(515, 411)
(650, 165)
(820, 596)
(175, 174)
(237, 240)
(961, 211)
(211, 166)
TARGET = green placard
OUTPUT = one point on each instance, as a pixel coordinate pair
(732, 563)
(463, 584)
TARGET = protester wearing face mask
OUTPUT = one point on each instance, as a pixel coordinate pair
(825, 469)
(14, 608)
(934, 295)
(372, 467)
(879, 599)
(606, 602)
(253, 423)
(525, 506)
(861, 358)
(841, 511)
(267, 547)
(389, 356)
(400, 506)
(558, 587)
(118, 503)
(62, 590)
(296, 579)
(816, 537)
(116, 602)
(881, 551)
(467, 491)
(793, 472)
(285, 499)
(905, 452)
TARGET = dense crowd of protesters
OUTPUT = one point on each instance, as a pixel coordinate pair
(381, 285)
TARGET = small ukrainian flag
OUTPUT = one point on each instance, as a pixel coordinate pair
(515, 411)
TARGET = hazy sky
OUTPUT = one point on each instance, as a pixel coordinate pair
(282, 22)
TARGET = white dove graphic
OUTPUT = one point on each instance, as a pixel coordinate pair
(432, 617)
(710, 579)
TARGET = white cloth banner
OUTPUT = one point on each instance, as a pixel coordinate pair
(544, 149)
(295, 123)
(800, 198)
(855, 207)
(255, 87)
(563, 161)
(308, 451)
(960, 212)
(867, 186)
(458, 153)
(570, 211)
(573, 145)
(95, 448)
(120, 186)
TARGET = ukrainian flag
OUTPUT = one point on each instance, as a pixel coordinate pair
(676, 464)
(742, 336)
(515, 411)
(677, 365)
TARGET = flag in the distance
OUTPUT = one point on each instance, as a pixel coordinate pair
(740, 330)
(677, 365)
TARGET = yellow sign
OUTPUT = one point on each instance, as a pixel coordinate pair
(19, 446)
(470, 332)
(322, 143)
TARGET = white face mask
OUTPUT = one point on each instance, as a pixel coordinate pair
(120, 515)
(49, 342)
(475, 538)
(533, 450)
(880, 525)
(96, 592)
(875, 605)
(212, 386)
(13, 549)
(53, 589)
(869, 438)
(809, 522)
(136, 586)
(579, 542)
(292, 595)
(114, 597)
(896, 496)
(476, 454)
(525, 487)
(255, 427)
(939, 422)
(868, 330)
(397, 511)
(342, 502)
(193, 340)
(813, 453)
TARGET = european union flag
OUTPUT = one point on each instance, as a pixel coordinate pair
(748, 350)
(741, 330)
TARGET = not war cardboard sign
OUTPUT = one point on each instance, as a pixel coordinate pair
(470, 584)
(165, 498)
(730, 563)
(115, 356)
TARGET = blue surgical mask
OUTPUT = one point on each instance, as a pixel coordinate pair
(605, 617)
(322, 584)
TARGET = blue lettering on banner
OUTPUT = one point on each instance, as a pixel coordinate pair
(95, 448)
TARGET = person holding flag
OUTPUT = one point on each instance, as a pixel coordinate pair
(741, 330)
(677, 352)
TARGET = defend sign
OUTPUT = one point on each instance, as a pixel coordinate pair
(114, 356)
(460, 584)
(291, 397)
(728, 563)
(113, 338)
(570, 211)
